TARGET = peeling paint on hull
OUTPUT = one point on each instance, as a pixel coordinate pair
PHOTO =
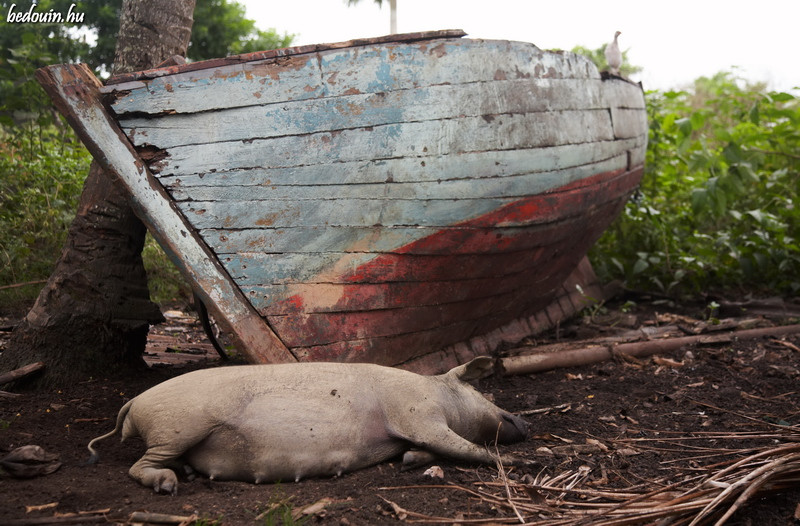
(376, 200)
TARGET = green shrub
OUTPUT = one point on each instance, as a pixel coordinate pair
(718, 204)
(42, 170)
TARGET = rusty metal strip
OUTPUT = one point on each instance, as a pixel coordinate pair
(75, 92)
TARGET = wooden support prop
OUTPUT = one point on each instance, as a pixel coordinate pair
(16, 374)
(534, 363)
(75, 92)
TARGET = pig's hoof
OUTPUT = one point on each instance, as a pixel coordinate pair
(511, 460)
(415, 458)
(166, 482)
(189, 472)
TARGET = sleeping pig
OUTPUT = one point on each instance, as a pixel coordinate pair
(264, 423)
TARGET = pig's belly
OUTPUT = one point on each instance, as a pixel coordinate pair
(281, 446)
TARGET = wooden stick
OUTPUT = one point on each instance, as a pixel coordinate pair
(532, 363)
(16, 374)
(160, 518)
(23, 284)
(67, 519)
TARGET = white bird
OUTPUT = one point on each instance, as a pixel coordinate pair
(614, 55)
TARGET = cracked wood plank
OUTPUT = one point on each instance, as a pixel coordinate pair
(371, 69)
(295, 117)
(478, 186)
(505, 163)
(411, 140)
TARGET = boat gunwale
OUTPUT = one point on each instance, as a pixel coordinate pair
(255, 56)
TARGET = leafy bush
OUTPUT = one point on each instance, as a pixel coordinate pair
(41, 176)
(718, 204)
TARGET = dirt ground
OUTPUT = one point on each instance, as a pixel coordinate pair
(614, 424)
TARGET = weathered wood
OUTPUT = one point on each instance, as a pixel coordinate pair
(393, 282)
(532, 363)
(454, 239)
(480, 187)
(364, 110)
(628, 122)
(504, 163)
(385, 212)
(414, 139)
(255, 56)
(74, 89)
(370, 69)
(147, 517)
(379, 201)
(256, 268)
(22, 372)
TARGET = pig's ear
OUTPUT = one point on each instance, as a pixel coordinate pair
(477, 368)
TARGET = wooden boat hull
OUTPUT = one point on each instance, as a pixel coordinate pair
(378, 201)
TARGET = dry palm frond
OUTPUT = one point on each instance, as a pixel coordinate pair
(570, 499)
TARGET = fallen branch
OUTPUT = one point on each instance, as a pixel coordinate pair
(63, 519)
(160, 518)
(24, 284)
(16, 374)
(532, 363)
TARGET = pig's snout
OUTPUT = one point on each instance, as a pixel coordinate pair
(512, 429)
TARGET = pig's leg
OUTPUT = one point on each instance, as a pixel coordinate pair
(443, 441)
(150, 471)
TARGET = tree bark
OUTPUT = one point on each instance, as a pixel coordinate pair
(93, 315)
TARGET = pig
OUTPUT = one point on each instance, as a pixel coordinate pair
(283, 422)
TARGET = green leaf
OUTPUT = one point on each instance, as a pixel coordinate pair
(745, 170)
(684, 125)
(699, 200)
(781, 97)
(755, 116)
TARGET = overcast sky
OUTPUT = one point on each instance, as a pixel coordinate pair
(675, 41)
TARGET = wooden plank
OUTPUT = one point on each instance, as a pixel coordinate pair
(453, 326)
(74, 89)
(403, 170)
(478, 186)
(628, 123)
(444, 287)
(413, 140)
(163, 70)
(258, 273)
(309, 298)
(349, 212)
(396, 348)
(258, 268)
(304, 330)
(363, 110)
(456, 239)
(620, 93)
(369, 69)
(336, 212)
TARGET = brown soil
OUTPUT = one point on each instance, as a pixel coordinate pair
(728, 388)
